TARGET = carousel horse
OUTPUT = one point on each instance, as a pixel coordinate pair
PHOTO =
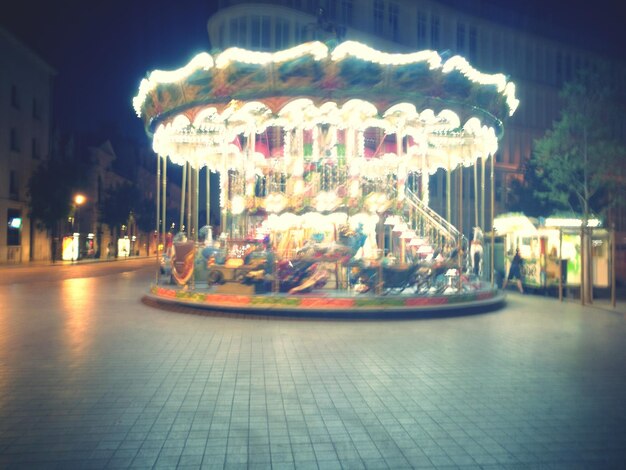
(476, 251)
(183, 255)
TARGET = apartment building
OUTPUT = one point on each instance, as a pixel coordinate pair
(538, 65)
(26, 83)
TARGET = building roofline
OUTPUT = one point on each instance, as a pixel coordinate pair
(14, 40)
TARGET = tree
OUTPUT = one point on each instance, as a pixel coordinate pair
(522, 193)
(123, 199)
(575, 163)
(50, 193)
(118, 203)
(51, 188)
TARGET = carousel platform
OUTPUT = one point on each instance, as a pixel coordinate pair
(329, 303)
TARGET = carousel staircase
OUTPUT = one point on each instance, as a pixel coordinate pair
(431, 226)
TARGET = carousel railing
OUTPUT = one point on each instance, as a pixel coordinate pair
(449, 231)
(428, 220)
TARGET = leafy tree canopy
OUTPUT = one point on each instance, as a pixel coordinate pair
(579, 162)
(124, 199)
(52, 186)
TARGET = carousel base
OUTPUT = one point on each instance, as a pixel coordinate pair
(329, 303)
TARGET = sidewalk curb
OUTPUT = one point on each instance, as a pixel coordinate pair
(45, 264)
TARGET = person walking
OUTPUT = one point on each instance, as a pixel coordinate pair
(515, 271)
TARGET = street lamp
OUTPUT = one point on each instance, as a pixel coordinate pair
(79, 199)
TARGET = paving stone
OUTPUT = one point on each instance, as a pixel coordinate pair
(96, 379)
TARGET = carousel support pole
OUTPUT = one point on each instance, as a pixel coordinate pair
(196, 184)
(583, 259)
(196, 214)
(164, 199)
(476, 220)
(182, 198)
(448, 194)
(158, 207)
(460, 248)
(589, 245)
(381, 244)
(482, 190)
(189, 201)
(612, 247)
(560, 265)
(223, 199)
(493, 203)
(390, 240)
(409, 182)
(208, 196)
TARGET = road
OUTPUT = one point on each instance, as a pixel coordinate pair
(37, 273)
(90, 377)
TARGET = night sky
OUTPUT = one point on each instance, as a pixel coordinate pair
(103, 49)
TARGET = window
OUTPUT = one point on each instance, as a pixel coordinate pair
(238, 31)
(393, 20)
(300, 33)
(538, 117)
(568, 68)
(14, 188)
(14, 225)
(99, 190)
(36, 109)
(379, 13)
(549, 67)
(530, 99)
(14, 140)
(460, 38)
(233, 31)
(260, 32)
(559, 68)
(539, 64)
(35, 149)
(265, 32)
(421, 29)
(473, 44)
(434, 32)
(221, 35)
(497, 50)
(547, 116)
(15, 102)
(346, 11)
(505, 56)
(529, 61)
(243, 31)
(329, 9)
(255, 31)
(281, 34)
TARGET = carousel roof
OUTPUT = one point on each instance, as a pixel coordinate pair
(446, 112)
(312, 70)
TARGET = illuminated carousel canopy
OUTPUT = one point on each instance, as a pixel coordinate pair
(407, 110)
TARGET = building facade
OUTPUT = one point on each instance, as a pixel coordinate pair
(538, 65)
(26, 84)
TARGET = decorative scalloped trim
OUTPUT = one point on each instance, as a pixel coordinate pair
(319, 51)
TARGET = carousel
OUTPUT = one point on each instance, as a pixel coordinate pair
(323, 153)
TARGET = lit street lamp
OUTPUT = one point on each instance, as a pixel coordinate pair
(79, 200)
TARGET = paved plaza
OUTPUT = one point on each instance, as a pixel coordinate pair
(90, 377)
